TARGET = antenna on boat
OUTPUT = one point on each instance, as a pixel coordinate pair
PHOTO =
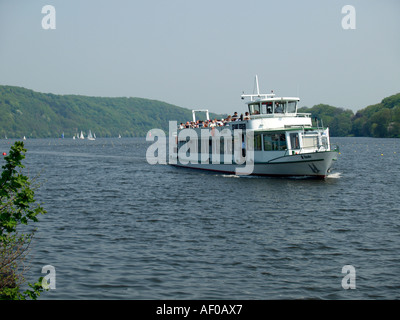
(258, 88)
(258, 95)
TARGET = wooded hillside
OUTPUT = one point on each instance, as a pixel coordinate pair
(24, 112)
(380, 120)
(32, 114)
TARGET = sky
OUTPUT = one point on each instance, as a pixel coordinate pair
(203, 54)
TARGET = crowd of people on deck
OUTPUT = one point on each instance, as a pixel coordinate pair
(214, 123)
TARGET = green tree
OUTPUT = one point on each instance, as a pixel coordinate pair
(337, 119)
(341, 125)
(379, 123)
(17, 207)
(380, 120)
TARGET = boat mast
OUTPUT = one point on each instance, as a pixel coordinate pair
(258, 88)
(258, 95)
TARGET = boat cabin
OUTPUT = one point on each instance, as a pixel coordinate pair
(271, 106)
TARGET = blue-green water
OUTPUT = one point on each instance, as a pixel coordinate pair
(120, 228)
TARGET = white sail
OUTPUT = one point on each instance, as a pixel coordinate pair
(90, 136)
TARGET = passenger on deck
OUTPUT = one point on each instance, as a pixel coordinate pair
(216, 122)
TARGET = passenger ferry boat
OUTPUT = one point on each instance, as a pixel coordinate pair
(271, 139)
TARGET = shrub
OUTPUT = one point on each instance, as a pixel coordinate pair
(17, 207)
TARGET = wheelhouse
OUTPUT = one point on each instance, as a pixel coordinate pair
(272, 106)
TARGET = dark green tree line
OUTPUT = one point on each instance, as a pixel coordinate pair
(28, 113)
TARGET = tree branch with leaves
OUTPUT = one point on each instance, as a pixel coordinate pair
(17, 207)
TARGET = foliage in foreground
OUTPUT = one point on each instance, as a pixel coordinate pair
(17, 208)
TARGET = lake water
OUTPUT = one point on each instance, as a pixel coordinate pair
(119, 228)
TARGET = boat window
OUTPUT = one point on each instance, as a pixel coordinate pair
(310, 141)
(294, 141)
(291, 107)
(267, 142)
(257, 142)
(266, 107)
(280, 107)
(276, 141)
(324, 141)
(254, 108)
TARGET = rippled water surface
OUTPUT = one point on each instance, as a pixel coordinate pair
(119, 228)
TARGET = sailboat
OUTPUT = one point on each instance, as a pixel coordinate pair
(81, 136)
(90, 137)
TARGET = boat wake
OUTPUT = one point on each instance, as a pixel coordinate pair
(241, 176)
(336, 175)
(230, 176)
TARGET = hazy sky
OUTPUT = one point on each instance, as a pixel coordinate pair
(203, 53)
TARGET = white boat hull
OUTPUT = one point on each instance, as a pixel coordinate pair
(315, 165)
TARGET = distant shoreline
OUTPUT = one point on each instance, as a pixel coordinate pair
(24, 112)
